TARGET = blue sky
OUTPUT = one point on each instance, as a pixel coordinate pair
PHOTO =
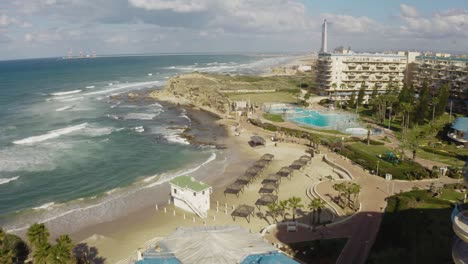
(44, 28)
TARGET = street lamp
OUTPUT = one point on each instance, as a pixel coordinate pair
(390, 118)
(378, 167)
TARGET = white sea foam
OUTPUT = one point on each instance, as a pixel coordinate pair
(96, 131)
(167, 177)
(163, 178)
(140, 116)
(44, 206)
(50, 134)
(72, 99)
(66, 93)
(64, 108)
(122, 87)
(139, 129)
(7, 180)
(176, 138)
(90, 87)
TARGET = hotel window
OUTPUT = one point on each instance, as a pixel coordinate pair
(203, 192)
(194, 194)
(175, 190)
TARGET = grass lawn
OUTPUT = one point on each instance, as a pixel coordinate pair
(367, 156)
(329, 131)
(440, 158)
(416, 228)
(260, 98)
(319, 251)
(273, 117)
(451, 195)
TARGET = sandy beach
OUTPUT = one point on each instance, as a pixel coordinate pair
(118, 240)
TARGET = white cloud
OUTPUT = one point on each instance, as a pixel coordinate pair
(451, 23)
(5, 20)
(408, 11)
(345, 24)
(174, 5)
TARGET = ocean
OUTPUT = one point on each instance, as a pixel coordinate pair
(73, 150)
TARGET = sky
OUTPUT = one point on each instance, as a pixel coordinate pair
(51, 28)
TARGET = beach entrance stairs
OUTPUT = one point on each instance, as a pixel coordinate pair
(197, 211)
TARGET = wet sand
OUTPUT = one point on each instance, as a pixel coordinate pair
(119, 239)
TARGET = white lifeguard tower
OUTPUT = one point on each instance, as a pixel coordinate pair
(191, 195)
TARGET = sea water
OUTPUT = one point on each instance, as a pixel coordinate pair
(69, 144)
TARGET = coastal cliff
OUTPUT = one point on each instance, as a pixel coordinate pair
(197, 90)
(216, 92)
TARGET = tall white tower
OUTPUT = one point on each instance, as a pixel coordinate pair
(324, 37)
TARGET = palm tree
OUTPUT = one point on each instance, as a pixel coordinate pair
(355, 189)
(435, 102)
(340, 188)
(7, 256)
(316, 205)
(295, 203)
(283, 206)
(369, 127)
(273, 211)
(38, 235)
(334, 86)
(2, 236)
(41, 254)
(62, 252)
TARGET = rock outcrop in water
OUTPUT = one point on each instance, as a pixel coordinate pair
(198, 90)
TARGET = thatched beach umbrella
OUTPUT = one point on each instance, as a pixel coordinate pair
(285, 172)
(261, 164)
(269, 188)
(297, 164)
(266, 199)
(267, 157)
(244, 211)
(244, 180)
(257, 141)
(253, 172)
(234, 188)
(274, 178)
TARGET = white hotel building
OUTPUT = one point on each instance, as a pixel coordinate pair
(342, 73)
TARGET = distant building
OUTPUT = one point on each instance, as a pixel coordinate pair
(460, 131)
(191, 195)
(341, 74)
(444, 69)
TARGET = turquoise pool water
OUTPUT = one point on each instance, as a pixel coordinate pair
(315, 118)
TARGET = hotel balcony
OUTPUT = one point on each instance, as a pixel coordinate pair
(460, 223)
(460, 252)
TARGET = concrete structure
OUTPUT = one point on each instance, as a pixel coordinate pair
(214, 245)
(443, 69)
(460, 227)
(324, 48)
(191, 195)
(341, 74)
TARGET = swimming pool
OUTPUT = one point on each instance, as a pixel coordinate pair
(345, 122)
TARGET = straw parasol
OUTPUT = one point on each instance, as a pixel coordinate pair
(266, 199)
(244, 211)
(267, 157)
(285, 172)
(272, 178)
(234, 188)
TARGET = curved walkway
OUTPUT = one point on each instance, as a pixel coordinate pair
(361, 230)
